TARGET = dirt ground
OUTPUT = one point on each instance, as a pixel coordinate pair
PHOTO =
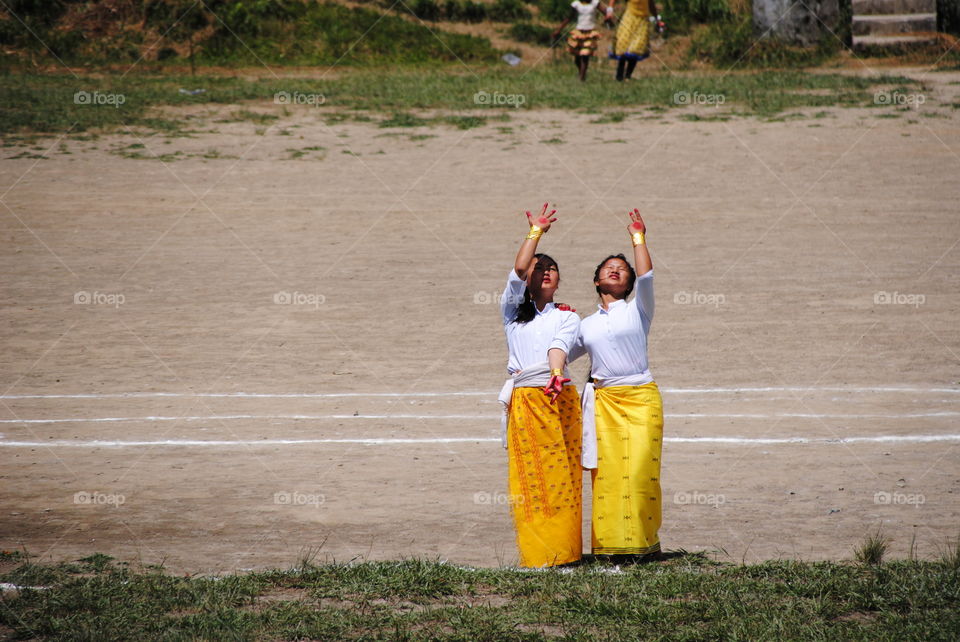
(334, 284)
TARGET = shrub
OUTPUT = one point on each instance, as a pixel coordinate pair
(554, 10)
(528, 32)
(426, 10)
(681, 15)
(948, 16)
(508, 11)
(732, 42)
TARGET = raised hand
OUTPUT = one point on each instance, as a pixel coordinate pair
(543, 220)
(636, 224)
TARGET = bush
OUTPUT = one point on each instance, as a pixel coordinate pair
(732, 43)
(464, 11)
(508, 11)
(554, 10)
(534, 34)
(681, 15)
(426, 10)
(948, 16)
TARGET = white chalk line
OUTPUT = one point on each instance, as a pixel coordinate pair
(463, 393)
(452, 440)
(490, 417)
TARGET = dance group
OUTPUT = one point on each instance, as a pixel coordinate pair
(550, 434)
(631, 43)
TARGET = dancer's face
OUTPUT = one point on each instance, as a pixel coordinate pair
(543, 276)
(614, 278)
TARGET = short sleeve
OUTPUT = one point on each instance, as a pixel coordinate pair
(644, 297)
(578, 349)
(512, 297)
(567, 333)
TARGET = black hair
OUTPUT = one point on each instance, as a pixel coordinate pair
(633, 274)
(527, 310)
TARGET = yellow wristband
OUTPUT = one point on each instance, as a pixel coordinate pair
(638, 239)
(535, 232)
(556, 372)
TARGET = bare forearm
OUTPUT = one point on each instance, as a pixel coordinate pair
(641, 259)
(638, 230)
(557, 358)
(527, 249)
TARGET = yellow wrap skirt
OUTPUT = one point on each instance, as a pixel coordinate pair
(626, 482)
(545, 479)
(632, 40)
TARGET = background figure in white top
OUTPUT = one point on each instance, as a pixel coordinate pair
(623, 411)
(584, 38)
(543, 414)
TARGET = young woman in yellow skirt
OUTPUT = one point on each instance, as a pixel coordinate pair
(622, 410)
(543, 429)
(632, 41)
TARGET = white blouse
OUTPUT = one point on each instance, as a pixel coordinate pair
(616, 338)
(586, 14)
(528, 343)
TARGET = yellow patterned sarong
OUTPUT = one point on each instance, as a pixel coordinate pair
(546, 481)
(626, 482)
(633, 33)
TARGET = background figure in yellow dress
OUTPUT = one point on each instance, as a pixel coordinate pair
(632, 41)
(622, 408)
(543, 430)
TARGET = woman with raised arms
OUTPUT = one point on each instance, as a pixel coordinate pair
(622, 410)
(542, 414)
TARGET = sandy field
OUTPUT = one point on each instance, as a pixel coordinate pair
(283, 342)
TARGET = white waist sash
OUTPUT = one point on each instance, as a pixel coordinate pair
(535, 376)
(588, 457)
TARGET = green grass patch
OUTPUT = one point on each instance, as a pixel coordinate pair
(49, 103)
(687, 597)
(404, 120)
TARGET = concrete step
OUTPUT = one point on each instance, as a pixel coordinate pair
(894, 24)
(901, 40)
(883, 7)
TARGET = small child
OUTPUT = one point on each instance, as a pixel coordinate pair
(583, 39)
